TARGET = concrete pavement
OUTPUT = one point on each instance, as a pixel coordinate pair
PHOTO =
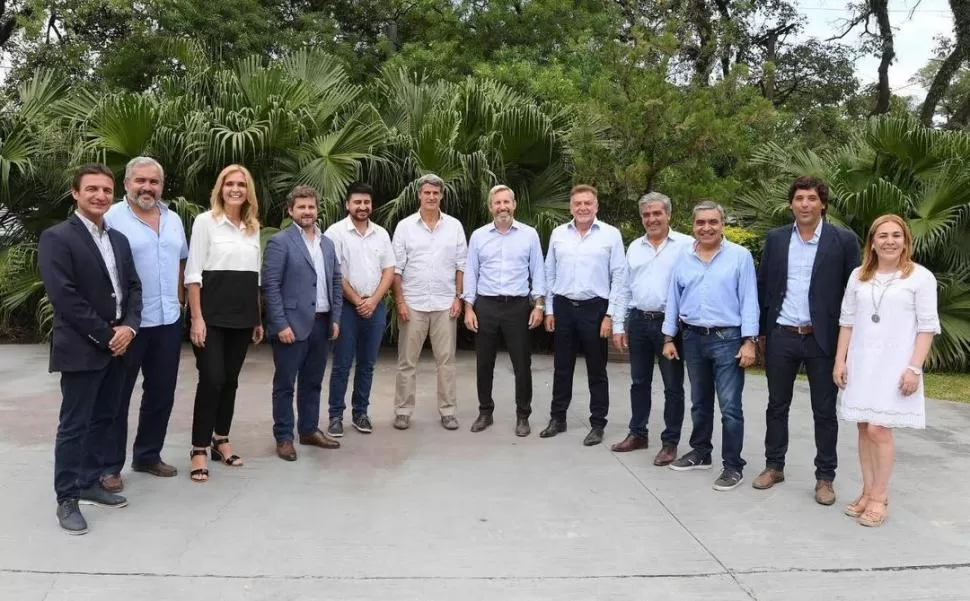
(428, 514)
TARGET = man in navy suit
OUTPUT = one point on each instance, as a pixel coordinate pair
(90, 278)
(302, 287)
(803, 273)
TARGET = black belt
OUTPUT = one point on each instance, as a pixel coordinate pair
(651, 315)
(708, 331)
(579, 303)
(800, 330)
(504, 299)
(321, 315)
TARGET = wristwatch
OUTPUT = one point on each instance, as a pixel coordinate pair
(752, 339)
(915, 370)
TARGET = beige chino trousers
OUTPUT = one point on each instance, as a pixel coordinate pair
(443, 331)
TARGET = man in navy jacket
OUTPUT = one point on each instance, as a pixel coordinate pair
(303, 290)
(803, 272)
(90, 279)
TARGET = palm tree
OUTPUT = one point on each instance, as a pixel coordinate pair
(891, 165)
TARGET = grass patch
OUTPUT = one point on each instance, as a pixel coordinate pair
(943, 386)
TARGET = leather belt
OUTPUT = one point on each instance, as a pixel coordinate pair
(708, 331)
(579, 303)
(800, 330)
(321, 315)
(651, 315)
(504, 299)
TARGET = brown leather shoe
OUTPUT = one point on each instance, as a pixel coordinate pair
(160, 469)
(824, 493)
(666, 455)
(768, 478)
(112, 483)
(630, 443)
(285, 450)
(319, 439)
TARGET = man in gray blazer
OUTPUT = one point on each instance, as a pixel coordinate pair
(302, 288)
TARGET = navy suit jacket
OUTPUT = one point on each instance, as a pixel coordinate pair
(290, 283)
(79, 288)
(837, 256)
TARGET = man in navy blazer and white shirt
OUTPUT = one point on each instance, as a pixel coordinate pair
(90, 278)
(302, 288)
(803, 272)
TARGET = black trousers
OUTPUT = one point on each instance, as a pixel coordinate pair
(504, 318)
(785, 352)
(88, 407)
(578, 330)
(219, 363)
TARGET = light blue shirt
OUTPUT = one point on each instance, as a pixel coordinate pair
(722, 293)
(585, 267)
(504, 264)
(157, 258)
(648, 274)
(316, 253)
(801, 260)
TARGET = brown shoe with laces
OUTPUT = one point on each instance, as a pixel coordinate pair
(824, 493)
(768, 478)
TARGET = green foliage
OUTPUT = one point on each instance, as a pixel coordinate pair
(751, 240)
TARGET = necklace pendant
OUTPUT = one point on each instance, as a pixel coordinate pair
(875, 318)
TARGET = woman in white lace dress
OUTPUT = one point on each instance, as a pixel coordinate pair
(889, 317)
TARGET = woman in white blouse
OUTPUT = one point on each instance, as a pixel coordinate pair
(889, 317)
(222, 277)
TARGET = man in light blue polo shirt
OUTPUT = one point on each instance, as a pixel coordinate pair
(713, 299)
(158, 244)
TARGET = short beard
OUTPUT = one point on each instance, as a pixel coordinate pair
(503, 218)
(145, 207)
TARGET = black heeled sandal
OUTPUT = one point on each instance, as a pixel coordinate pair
(233, 461)
(201, 474)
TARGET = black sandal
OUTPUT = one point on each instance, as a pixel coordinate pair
(234, 460)
(196, 474)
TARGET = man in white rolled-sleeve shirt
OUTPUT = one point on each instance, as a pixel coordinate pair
(430, 251)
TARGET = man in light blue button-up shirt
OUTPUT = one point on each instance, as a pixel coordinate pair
(503, 275)
(713, 299)
(585, 279)
(158, 244)
(650, 260)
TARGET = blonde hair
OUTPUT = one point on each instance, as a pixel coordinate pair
(869, 258)
(499, 188)
(250, 208)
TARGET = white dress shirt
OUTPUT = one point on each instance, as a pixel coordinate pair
(648, 274)
(584, 267)
(103, 242)
(316, 253)
(362, 257)
(427, 260)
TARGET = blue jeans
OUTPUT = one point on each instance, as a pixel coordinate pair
(361, 339)
(712, 365)
(646, 343)
(302, 362)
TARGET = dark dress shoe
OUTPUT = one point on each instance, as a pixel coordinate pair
(594, 437)
(555, 427)
(102, 498)
(630, 443)
(522, 427)
(666, 455)
(70, 518)
(484, 420)
(160, 469)
(285, 450)
(112, 483)
(317, 439)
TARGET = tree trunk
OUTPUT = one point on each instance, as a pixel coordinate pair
(880, 8)
(960, 53)
(700, 16)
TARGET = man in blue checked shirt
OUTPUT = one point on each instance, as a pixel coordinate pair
(585, 276)
(714, 297)
(502, 273)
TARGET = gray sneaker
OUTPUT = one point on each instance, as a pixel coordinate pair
(449, 422)
(102, 498)
(336, 428)
(70, 519)
(728, 480)
(693, 460)
(363, 425)
(402, 422)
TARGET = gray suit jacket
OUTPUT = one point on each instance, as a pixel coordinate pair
(290, 283)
